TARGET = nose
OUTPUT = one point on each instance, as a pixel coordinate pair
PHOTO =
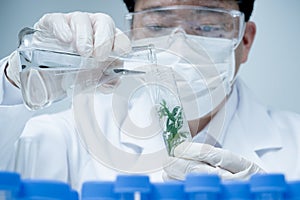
(179, 32)
(183, 29)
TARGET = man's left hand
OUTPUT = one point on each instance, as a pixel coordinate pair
(204, 158)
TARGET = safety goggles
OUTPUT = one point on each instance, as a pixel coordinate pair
(194, 20)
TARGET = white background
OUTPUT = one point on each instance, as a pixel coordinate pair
(273, 68)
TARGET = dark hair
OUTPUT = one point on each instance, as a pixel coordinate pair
(246, 6)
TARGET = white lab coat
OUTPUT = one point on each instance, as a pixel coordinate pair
(13, 117)
(50, 146)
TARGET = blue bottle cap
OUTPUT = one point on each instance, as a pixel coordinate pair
(74, 195)
(10, 181)
(293, 191)
(168, 190)
(45, 189)
(268, 183)
(236, 190)
(202, 183)
(98, 190)
(132, 183)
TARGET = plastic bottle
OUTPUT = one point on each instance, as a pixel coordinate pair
(42, 189)
(293, 191)
(133, 187)
(236, 190)
(268, 186)
(168, 191)
(99, 190)
(203, 186)
(74, 195)
(48, 75)
(10, 184)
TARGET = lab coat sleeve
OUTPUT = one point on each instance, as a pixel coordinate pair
(3, 62)
(9, 94)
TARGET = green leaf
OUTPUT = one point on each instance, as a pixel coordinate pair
(174, 122)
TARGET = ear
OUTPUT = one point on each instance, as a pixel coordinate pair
(247, 41)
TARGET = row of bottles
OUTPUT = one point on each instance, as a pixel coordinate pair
(139, 187)
(12, 187)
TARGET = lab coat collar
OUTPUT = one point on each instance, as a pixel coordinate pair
(242, 113)
(218, 126)
(256, 122)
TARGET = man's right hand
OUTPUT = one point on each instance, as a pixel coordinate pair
(87, 34)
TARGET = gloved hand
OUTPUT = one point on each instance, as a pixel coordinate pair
(204, 158)
(84, 33)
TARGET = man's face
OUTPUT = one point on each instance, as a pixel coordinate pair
(223, 4)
